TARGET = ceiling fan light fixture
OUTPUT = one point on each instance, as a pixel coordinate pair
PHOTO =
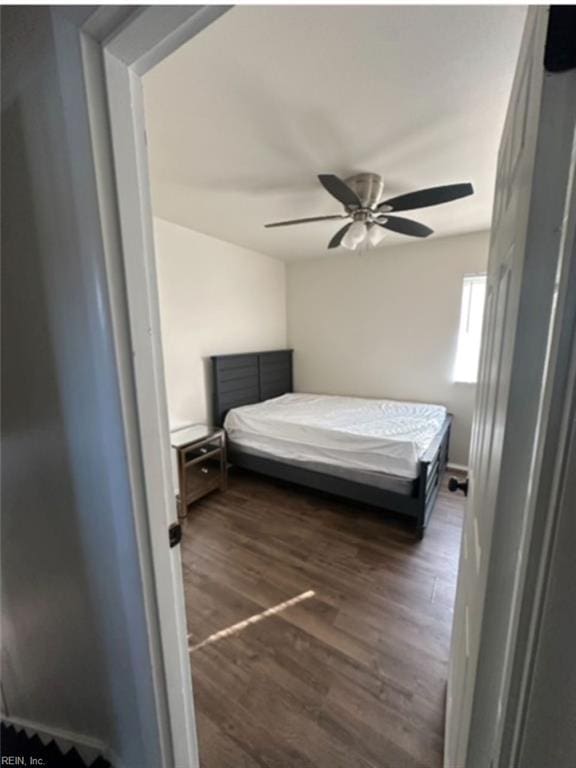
(376, 234)
(355, 235)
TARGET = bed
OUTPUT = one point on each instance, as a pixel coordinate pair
(385, 453)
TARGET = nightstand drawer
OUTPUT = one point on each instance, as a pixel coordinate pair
(192, 453)
(201, 478)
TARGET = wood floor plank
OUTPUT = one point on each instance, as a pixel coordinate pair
(338, 626)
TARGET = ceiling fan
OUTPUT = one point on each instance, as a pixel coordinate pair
(360, 195)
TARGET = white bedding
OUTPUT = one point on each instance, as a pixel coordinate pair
(386, 436)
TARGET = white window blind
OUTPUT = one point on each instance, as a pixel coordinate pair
(470, 333)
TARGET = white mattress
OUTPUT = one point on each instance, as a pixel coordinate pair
(387, 436)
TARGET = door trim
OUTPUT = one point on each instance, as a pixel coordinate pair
(118, 46)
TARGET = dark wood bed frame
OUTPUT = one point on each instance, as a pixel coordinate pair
(251, 378)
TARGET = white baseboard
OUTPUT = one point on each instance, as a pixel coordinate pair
(88, 749)
(457, 467)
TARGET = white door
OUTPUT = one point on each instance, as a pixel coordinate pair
(516, 163)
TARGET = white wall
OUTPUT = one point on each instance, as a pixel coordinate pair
(75, 650)
(385, 324)
(215, 298)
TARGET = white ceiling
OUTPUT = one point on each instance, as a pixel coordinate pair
(242, 118)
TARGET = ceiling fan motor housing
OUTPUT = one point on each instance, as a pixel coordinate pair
(368, 187)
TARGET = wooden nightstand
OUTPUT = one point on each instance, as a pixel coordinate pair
(201, 457)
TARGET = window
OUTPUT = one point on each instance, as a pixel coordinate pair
(470, 333)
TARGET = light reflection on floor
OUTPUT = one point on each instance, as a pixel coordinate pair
(235, 628)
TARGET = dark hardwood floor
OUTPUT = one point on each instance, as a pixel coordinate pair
(353, 676)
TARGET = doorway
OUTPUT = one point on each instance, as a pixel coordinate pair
(150, 417)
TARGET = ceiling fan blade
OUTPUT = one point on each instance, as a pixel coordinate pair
(425, 197)
(405, 226)
(337, 239)
(304, 221)
(339, 189)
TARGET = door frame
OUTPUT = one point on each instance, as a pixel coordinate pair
(117, 46)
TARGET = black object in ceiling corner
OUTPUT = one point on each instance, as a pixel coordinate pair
(560, 52)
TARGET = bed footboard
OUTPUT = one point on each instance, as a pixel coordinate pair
(432, 467)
